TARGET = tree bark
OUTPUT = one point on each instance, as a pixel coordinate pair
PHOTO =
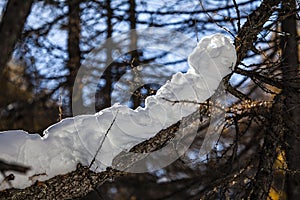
(135, 58)
(11, 28)
(291, 79)
(103, 95)
(74, 52)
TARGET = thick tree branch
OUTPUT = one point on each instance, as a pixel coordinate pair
(81, 181)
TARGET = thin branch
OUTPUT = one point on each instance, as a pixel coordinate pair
(254, 75)
(238, 15)
(213, 20)
(253, 26)
(232, 90)
(101, 143)
(183, 101)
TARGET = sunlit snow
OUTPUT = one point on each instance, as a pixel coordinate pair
(77, 139)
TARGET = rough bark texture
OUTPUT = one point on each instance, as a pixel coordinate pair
(291, 91)
(73, 185)
(274, 133)
(11, 28)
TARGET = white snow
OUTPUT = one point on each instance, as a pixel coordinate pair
(77, 139)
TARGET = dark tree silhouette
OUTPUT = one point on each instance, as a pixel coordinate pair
(11, 27)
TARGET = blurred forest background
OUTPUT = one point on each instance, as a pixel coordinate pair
(44, 42)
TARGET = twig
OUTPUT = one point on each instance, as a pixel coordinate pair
(183, 101)
(252, 27)
(238, 15)
(232, 90)
(4, 166)
(196, 30)
(101, 144)
(212, 19)
(60, 110)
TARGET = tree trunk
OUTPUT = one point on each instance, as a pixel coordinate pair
(290, 70)
(103, 95)
(135, 60)
(11, 28)
(74, 52)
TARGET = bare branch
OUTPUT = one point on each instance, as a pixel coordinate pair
(103, 139)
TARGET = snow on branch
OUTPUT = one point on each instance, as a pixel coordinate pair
(76, 140)
(80, 182)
